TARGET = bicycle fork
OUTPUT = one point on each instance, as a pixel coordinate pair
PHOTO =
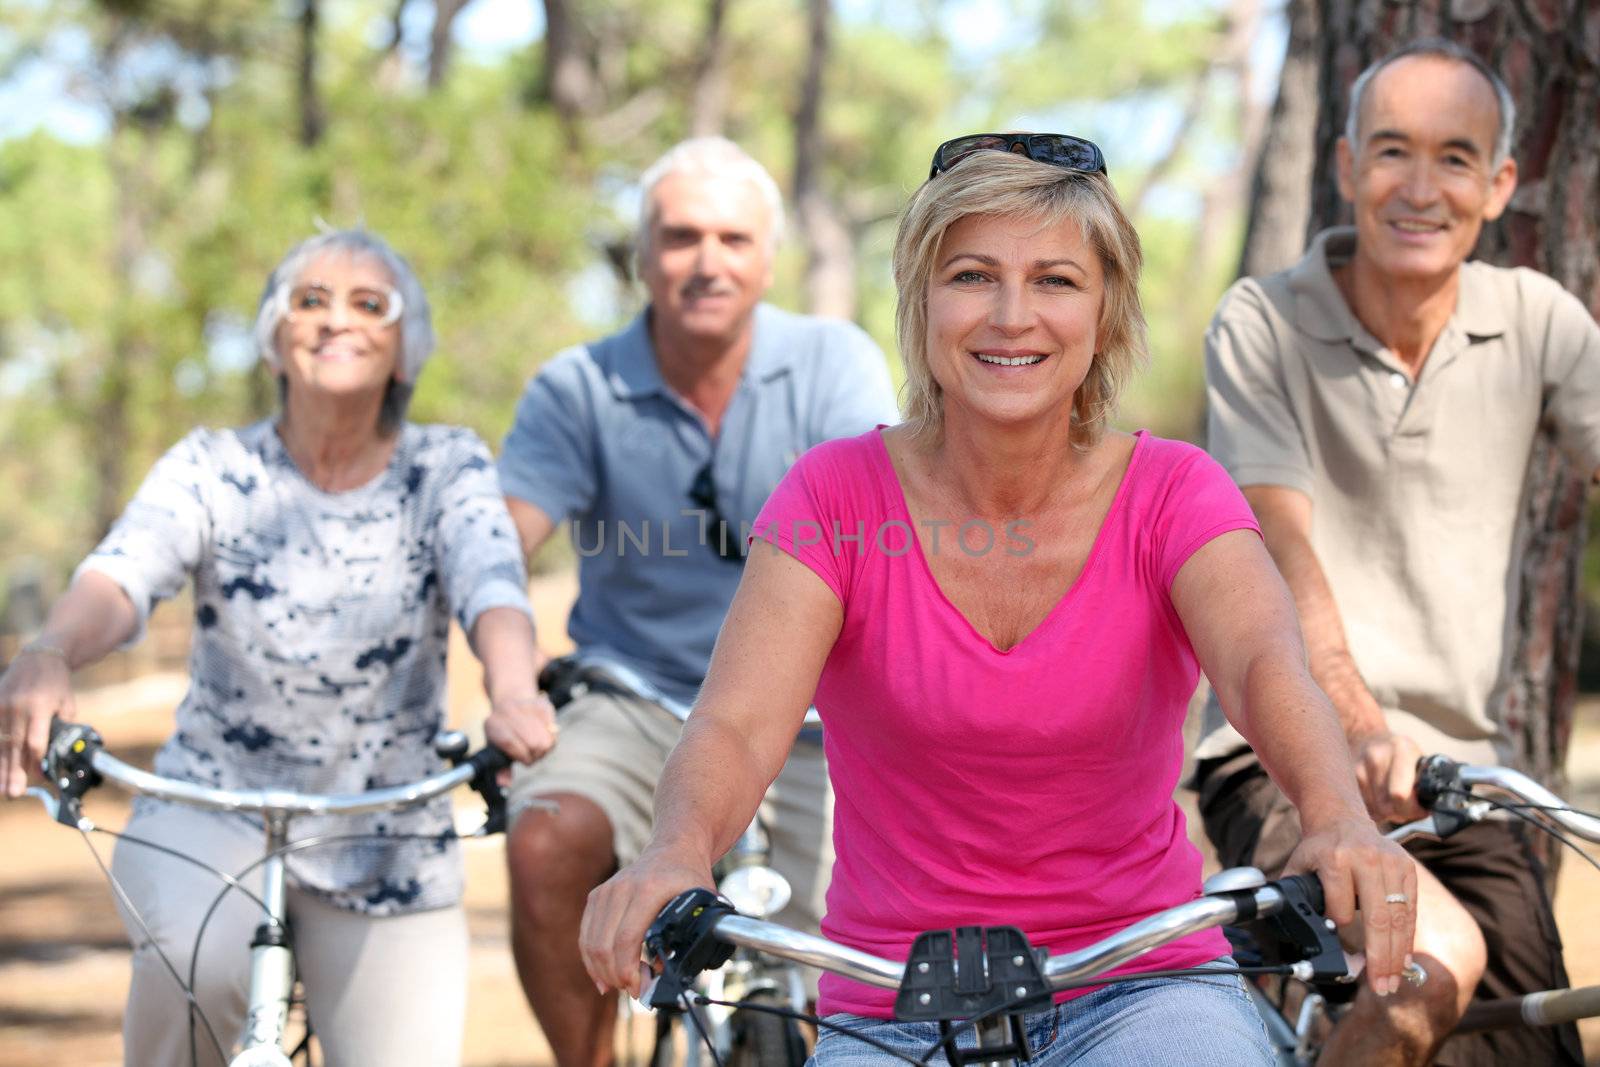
(271, 964)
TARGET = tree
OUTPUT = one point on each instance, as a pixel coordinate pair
(1553, 225)
(1280, 195)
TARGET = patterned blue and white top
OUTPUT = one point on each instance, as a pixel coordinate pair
(321, 622)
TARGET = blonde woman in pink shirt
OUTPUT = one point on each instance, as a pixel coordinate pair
(1000, 607)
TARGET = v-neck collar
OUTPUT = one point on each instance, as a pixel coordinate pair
(897, 495)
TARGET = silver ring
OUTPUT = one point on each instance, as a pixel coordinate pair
(1397, 898)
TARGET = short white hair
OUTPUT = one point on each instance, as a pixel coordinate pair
(1438, 48)
(715, 157)
(416, 320)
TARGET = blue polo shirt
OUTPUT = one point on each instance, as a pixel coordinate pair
(600, 440)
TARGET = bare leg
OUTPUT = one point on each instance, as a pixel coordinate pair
(1406, 1029)
(555, 859)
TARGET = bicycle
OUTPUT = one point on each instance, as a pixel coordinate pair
(1446, 790)
(982, 980)
(737, 1037)
(76, 762)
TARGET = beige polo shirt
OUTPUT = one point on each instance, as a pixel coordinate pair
(1416, 487)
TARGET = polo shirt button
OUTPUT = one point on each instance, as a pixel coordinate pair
(1398, 380)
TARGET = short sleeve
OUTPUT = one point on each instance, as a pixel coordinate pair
(157, 542)
(814, 513)
(1250, 426)
(1199, 504)
(856, 395)
(1572, 379)
(548, 458)
(478, 555)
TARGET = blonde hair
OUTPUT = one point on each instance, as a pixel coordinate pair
(1013, 186)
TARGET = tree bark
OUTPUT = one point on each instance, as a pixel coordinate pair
(129, 354)
(1280, 195)
(313, 120)
(830, 276)
(1547, 53)
(708, 112)
(570, 83)
(439, 41)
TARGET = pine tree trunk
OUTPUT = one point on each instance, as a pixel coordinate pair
(1546, 52)
(1280, 194)
(830, 277)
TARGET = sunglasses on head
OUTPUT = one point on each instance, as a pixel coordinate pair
(1057, 149)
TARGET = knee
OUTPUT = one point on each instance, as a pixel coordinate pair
(1450, 947)
(558, 856)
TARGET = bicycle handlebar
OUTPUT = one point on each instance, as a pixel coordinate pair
(76, 761)
(1443, 788)
(693, 929)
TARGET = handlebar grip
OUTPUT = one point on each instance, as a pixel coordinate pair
(1309, 885)
(1438, 777)
(486, 764)
(489, 760)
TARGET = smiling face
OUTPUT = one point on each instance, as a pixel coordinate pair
(1013, 307)
(709, 257)
(1422, 179)
(335, 339)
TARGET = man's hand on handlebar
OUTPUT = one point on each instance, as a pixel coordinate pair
(1362, 870)
(1386, 771)
(522, 725)
(620, 911)
(36, 686)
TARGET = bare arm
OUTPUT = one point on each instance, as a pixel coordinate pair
(90, 620)
(521, 721)
(1241, 621)
(783, 622)
(1385, 763)
(534, 527)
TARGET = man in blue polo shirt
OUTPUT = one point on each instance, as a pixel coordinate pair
(660, 444)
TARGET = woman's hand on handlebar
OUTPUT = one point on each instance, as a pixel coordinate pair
(1361, 869)
(620, 911)
(36, 686)
(522, 725)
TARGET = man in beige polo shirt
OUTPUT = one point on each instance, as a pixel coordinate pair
(1378, 404)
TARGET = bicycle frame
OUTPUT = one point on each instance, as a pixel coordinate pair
(76, 762)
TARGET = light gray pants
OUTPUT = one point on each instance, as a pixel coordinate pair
(388, 991)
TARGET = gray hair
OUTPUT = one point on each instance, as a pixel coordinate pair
(416, 321)
(1439, 48)
(709, 157)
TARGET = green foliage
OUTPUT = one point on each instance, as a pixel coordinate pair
(139, 258)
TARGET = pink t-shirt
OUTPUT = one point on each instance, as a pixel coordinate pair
(1031, 787)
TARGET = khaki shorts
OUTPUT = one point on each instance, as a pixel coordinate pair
(1488, 867)
(612, 751)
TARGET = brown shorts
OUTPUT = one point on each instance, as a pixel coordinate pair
(1488, 867)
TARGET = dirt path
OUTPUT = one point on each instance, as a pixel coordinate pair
(63, 956)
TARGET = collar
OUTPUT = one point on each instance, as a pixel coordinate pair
(635, 373)
(1320, 309)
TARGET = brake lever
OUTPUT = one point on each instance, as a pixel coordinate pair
(1441, 794)
(52, 806)
(68, 766)
(683, 940)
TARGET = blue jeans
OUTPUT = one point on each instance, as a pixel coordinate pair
(1159, 1022)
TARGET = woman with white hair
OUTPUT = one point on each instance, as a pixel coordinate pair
(1001, 607)
(329, 546)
